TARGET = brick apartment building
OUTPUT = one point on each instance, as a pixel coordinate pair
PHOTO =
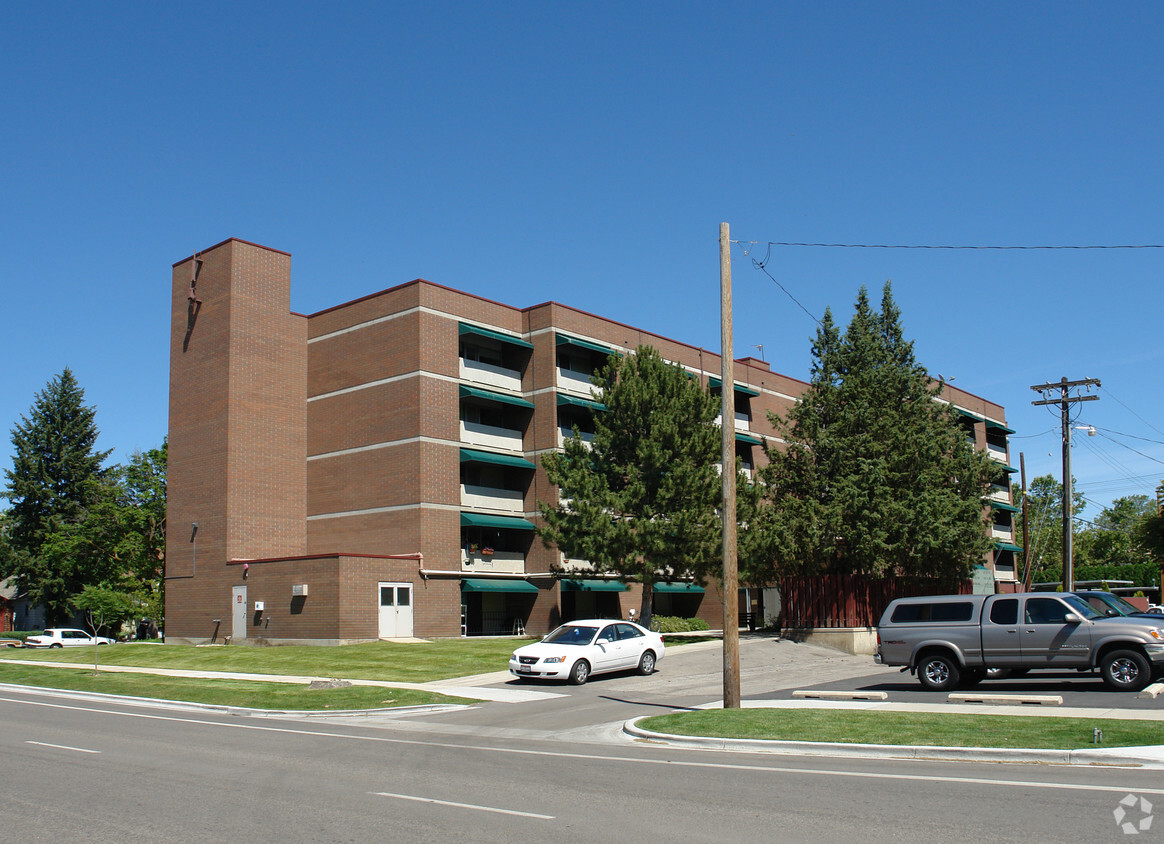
(372, 470)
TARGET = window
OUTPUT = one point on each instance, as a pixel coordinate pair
(625, 631)
(1045, 611)
(1004, 611)
(944, 611)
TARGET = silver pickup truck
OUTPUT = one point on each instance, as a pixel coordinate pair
(949, 640)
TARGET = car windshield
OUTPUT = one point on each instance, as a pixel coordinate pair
(1081, 606)
(1118, 603)
(571, 634)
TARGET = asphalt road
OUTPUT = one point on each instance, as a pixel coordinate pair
(552, 769)
(89, 771)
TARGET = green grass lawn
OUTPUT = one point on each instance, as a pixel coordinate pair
(399, 662)
(251, 694)
(908, 728)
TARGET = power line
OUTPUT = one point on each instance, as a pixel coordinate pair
(933, 246)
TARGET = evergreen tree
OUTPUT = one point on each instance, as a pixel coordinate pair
(876, 476)
(52, 482)
(640, 501)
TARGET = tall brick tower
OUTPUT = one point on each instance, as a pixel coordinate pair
(238, 428)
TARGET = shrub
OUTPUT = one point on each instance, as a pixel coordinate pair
(674, 624)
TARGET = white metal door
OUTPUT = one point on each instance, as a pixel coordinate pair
(395, 610)
(238, 617)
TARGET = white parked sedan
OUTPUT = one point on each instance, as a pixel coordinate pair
(65, 637)
(595, 646)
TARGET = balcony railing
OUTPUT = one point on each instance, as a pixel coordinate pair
(996, 452)
(574, 382)
(491, 498)
(494, 376)
(505, 562)
(565, 433)
(742, 421)
(503, 438)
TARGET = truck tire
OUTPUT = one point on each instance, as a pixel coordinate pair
(938, 672)
(1125, 670)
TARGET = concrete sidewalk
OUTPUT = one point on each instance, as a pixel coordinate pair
(471, 687)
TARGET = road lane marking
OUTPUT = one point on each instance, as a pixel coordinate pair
(62, 747)
(462, 805)
(594, 757)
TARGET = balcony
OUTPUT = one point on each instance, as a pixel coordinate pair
(491, 498)
(490, 375)
(565, 434)
(574, 565)
(1002, 532)
(504, 562)
(502, 438)
(574, 382)
(996, 452)
(742, 421)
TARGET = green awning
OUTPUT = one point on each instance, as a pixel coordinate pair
(565, 340)
(748, 438)
(998, 426)
(466, 328)
(593, 586)
(1010, 470)
(470, 455)
(998, 505)
(1006, 546)
(740, 388)
(480, 584)
(580, 402)
(690, 588)
(975, 416)
(489, 395)
(502, 522)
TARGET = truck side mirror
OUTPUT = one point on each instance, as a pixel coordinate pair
(1073, 618)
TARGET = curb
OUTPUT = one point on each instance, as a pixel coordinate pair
(891, 751)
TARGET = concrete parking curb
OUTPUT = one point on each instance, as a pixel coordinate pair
(1115, 757)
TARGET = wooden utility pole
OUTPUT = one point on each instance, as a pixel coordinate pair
(731, 598)
(1065, 401)
(1027, 561)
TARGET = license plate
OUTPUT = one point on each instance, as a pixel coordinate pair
(523, 670)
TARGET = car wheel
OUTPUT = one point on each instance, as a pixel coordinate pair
(55, 645)
(647, 663)
(580, 673)
(938, 672)
(1125, 670)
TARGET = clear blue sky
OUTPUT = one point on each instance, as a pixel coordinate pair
(586, 153)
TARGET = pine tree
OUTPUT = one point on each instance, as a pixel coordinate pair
(640, 501)
(52, 482)
(875, 477)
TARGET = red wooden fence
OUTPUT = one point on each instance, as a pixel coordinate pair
(848, 600)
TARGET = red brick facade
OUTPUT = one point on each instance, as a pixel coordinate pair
(373, 444)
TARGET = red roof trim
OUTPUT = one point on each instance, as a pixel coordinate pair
(230, 240)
